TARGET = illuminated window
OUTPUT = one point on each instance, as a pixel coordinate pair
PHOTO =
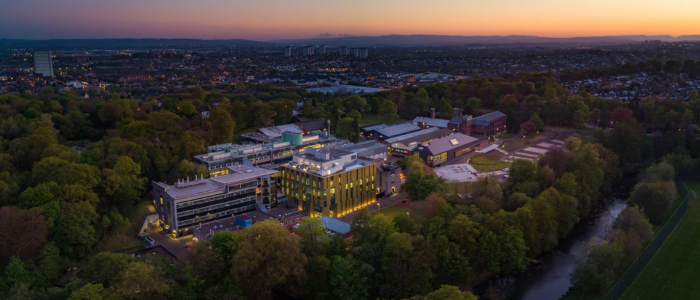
(161, 200)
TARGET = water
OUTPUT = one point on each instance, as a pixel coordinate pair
(549, 280)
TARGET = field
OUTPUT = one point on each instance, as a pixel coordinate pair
(395, 210)
(674, 272)
(489, 162)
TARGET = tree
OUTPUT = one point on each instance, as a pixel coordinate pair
(222, 126)
(448, 292)
(346, 281)
(621, 115)
(199, 93)
(472, 104)
(105, 267)
(388, 111)
(418, 186)
(632, 219)
(141, 281)
(27, 231)
(355, 102)
(269, 256)
(312, 236)
(656, 198)
(260, 114)
(597, 266)
(91, 292)
(348, 129)
(463, 232)
(187, 108)
(404, 223)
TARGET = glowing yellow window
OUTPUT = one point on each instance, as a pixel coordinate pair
(161, 200)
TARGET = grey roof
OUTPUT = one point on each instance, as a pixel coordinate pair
(397, 129)
(367, 148)
(311, 125)
(375, 127)
(445, 144)
(412, 134)
(486, 119)
(335, 225)
(431, 122)
(214, 185)
(276, 131)
(427, 137)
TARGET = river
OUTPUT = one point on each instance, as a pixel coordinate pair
(549, 280)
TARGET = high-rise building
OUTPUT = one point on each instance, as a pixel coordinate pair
(188, 203)
(43, 63)
(308, 50)
(329, 182)
(344, 50)
(353, 51)
(287, 51)
(322, 50)
(362, 52)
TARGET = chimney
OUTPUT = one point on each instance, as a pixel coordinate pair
(432, 113)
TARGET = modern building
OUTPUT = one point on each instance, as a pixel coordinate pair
(406, 144)
(329, 182)
(188, 203)
(219, 157)
(362, 52)
(354, 51)
(443, 149)
(344, 50)
(43, 63)
(322, 50)
(287, 51)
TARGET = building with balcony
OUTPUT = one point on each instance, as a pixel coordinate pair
(329, 182)
(188, 203)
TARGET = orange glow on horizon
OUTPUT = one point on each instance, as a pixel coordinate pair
(274, 19)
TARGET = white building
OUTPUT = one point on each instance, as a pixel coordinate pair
(43, 64)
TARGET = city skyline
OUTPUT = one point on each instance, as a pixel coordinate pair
(270, 19)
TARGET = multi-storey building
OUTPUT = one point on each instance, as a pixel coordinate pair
(43, 63)
(329, 182)
(187, 203)
(220, 157)
(287, 51)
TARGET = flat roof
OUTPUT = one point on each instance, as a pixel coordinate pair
(432, 122)
(410, 135)
(450, 142)
(214, 185)
(397, 129)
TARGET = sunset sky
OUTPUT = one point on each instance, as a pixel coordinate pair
(275, 19)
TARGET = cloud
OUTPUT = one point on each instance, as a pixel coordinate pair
(330, 35)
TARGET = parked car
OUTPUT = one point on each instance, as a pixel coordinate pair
(506, 170)
(402, 202)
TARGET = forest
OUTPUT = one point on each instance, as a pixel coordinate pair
(72, 171)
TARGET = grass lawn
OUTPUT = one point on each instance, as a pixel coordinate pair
(489, 162)
(674, 272)
(505, 135)
(395, 210)
(512, 145)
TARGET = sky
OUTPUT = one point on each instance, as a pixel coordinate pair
(289, 19)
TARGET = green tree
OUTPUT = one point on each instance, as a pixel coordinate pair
(597, 266)
(312, 236)
(448, 292)
(473, 103)
(418, 186)
(91, 292)
(187, 108)
(222, 126)
(346, 281)
(388, 112)
(141, 281)
(269, 256)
